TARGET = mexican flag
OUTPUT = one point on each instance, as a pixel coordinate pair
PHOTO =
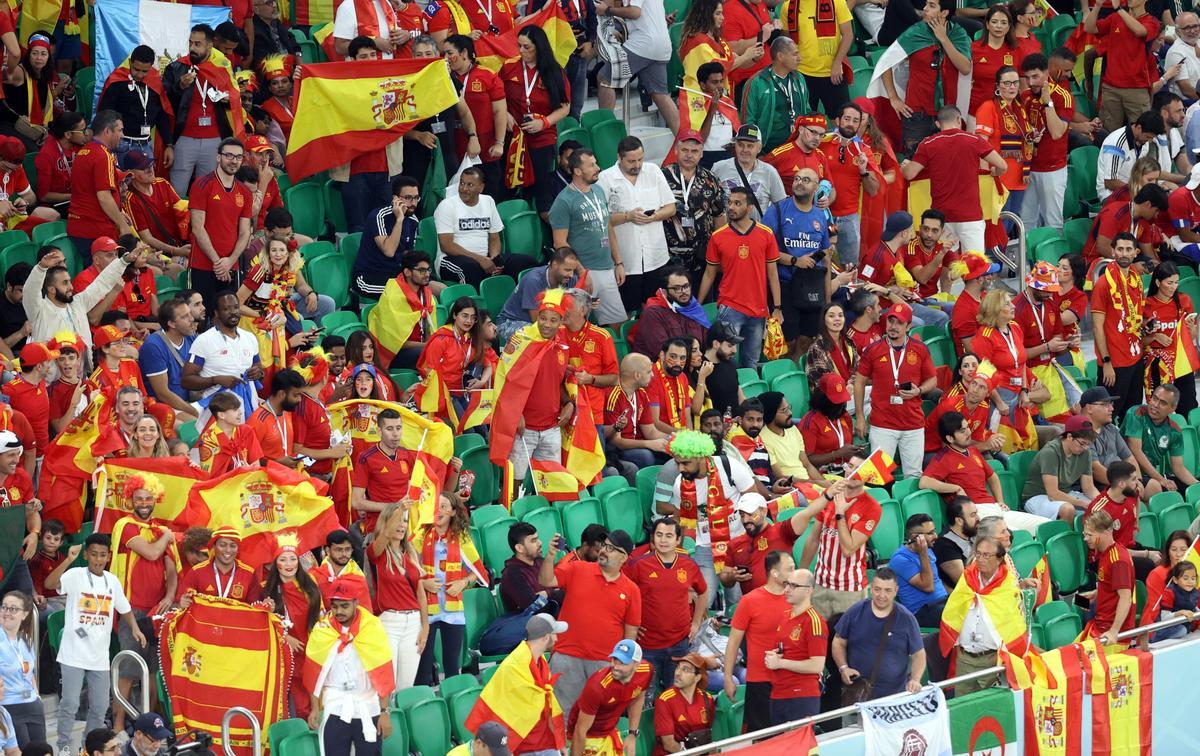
(985, 722)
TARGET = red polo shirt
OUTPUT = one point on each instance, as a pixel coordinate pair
(888, 367)
(383, 478)
(94, 170)
(966, 469)
(757, 615)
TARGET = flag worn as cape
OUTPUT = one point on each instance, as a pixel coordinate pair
(345, 110)
(914, 39)
(517, 699)
(514, 380)
(492, 51)
(399, 310)
(365, 632)
(153, 81)
(1000, 601)
(176, 474)
(583, 450)
(219, 653)
(262, 503)
(70, 461)
(124, 560)
(432, 440)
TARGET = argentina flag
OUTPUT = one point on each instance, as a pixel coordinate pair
(121, 25)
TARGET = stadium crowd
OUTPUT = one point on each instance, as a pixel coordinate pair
(842, 446)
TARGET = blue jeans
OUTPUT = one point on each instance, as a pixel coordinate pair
(847, 241)
(325, 305)
(929, 315)
(661, 661)
(126, 145)
(577, 71)
(750, 329)
(363, 193)
(702, 556)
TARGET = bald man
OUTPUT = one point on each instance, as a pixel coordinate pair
(628, 423)
(1183, 51)
(797, 659)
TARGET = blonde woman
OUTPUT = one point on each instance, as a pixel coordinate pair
(147, 440)
(18, 684)
(1001, 342)
(267, 308)
(398, 598)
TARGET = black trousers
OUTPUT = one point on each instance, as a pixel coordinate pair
(338, 737)
(467, 270)
(1127, 388)
(452, 642)
(206, 283)
(831, 96)
(756, 714)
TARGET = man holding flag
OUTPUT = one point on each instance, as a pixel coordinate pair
(843, 529)
(382, 473)
(348, 667)
(222, 574)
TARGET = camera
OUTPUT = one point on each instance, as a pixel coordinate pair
(194, 741)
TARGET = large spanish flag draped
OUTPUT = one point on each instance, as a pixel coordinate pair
(220, 653)
(1122, 714)
(71, 459)
(366, 633)
(514, 381)
(1000, 601)
(493, 51)
(261, 503)
(1054, 686)
(176, 474)
(345, 110)
(400, 309)
(432, 440)
(519, 700)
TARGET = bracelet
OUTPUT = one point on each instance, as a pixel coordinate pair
(546, 122)
(844, 666)
(472, 135)
(619, 264)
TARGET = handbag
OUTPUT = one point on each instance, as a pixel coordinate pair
(860, 690)
(30, 130)
(698, 738)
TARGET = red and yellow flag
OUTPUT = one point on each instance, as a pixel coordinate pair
(801, 742)
(432, 398)
(1122, 714)
(555, 482)
(583, 451)
(71, 459)
(493, 51)
(262, 503)
(478, 411)
(1000, 602)
(366, 634)
(514, 381)
(176, 474)
(1054, 685)
(432, 440)
(313, 12)
(345, 110)
(1041, 571)
(399, 311)
(519, 699)
(1187, 360)
(220, 653)
(876, 470)
(693, 107)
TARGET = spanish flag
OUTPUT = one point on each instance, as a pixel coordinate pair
(1122, 712)
(219, 653)
(699, 49)
(876, 470)
(508, 485)
(432, 398)
(432, 440)
(313, 12)
(1041, 571)
(583, 451)
(514, 381)
(520, 697)
(553, 481)
(124, 560)
(70, 461)
(693, 107)
(1187, 361)
(478, 411)
(493, 51)
(1053, 683)
(261, 503)
(1000, 602)
(345, 110)
(176, 474)
(365, 632)
(400, 310)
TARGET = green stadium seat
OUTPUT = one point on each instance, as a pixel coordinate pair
(1068, 558)
(480, 610)
(316, 249)
(1149, 528)
(1019, 463)
(335, 209)
(465, 441)
(328, 275)
(456, 291)
(522, 235)
(905, 486)
(927, 502)
(301, 744)
(1193, 493)
(583, 136)
(493, 543)
(397, 743)
(605, 138)
(1035, 236)
(427, 240)
(1061, 631)
(611, 483)
(404, 377)
(526, 504)
(25, 252)
(623, 511)
(1051, 250)
(889, 533)
(1178, 517)
(46, 231)
(1026, 556)
(429, 726)
(460, 705)
(277, 731)
(1050, 610)
(11, 237)
(55, 623)
(189, 433)
(403, 699)
(348, 247)
(646, 480)
(495, 291)
(452, 686)
(307, 206)
(487, 513)
(576, 516)
(727, 721)
(548, 522)
(593, 118)
(1048, 530)
(752, 389)
(775, 368)
(568, 122)
(794, 386)
(339, 318)
(74, 260)
(1075, 231)
(745, 375)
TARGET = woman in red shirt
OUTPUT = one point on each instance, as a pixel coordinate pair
(1175, 548)
(360, 350)
(991, 53)
(1001, 342)
(538, 97)
(702, 42)
(831, 351)
(227, 443)
(1168, 318)
(453, 348)
(1027, 16)
(294, 596)
(397, 589)
(267, 308)
(484, 94)
(1003, 122)
(1072, 304)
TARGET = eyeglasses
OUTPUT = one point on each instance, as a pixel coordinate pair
(422, 269)
(612, 547)
(467, 316)
(232, 155)
(680, 289)
(1016, 83)
(789, 584)
(988, 554)
(9, 609)
(1190, 27)
(410, 197)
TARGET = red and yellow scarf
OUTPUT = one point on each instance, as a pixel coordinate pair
(454, 568)
(718, 507)
(1127, 301)
(676, 396)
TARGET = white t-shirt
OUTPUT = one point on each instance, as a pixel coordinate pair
(720, 134)
(217, 354)
(743, 480)
(1169, 147)
(648, 34)
(1182, 52)
(643, 246)
(1118, 153)
(345, 23)
(470, 225)
(91, 600)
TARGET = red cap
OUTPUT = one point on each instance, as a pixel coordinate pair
(1079, 425)
(689, 135)
(348, 588)
(900, 311)
(258, 143)
(866, 105)
(834, 388)
(12, 150)
(35, 353)
(104, 244)
(106, 335)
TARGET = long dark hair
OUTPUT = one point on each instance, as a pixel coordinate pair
(824, 337)
(48, 75)
(1010, 38)
(699, 20)
(548, 69)
(479, 342)
(1162, 272)
(1078, 267)
(354, 345)
(273, 589)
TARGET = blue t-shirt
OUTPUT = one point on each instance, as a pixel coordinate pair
(907, 565)
(524, 297)
(861, 629)
(16, 669)
(371, 260)
(157, 356)
(799, 233)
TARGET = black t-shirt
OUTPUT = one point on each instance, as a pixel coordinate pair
(12, 319)
(723, 387)
(946, 550)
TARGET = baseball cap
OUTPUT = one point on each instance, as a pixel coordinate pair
(258, 143)
(9, 442)
(896, 223)
(541, 625)
(621, 540)
(978, 265)
(1078, 425)
(900, 311)
(136, 161)
(833, 386)
(697, 660)
(151, 725)
(106, 335)
(104, 244)
(722, 332)
(748, 132)
(750, 503)
(35, 353)
(626, 652)
(12, 150)
(1194, 179)
(1096, 395)
(495, 736)
(689, 135)
(1043, 277)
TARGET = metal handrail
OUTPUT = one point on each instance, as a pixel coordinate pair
(255, 730)
(37, 649)
(114, 673)
(1022, 262)
(766, 732)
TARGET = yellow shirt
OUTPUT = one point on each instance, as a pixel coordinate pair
(817, 38)
(785, 451)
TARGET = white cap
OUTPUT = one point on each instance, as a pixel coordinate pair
(1194, 179)
(10, 442)
(750, 503)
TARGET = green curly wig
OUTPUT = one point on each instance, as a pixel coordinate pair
(690, 444)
